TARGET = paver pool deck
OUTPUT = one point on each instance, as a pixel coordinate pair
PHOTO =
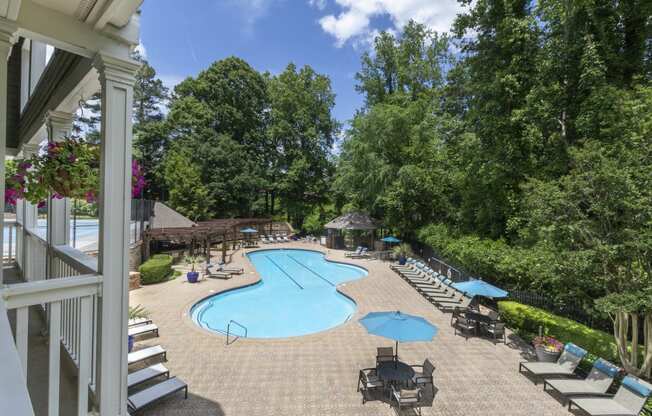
(317, 374)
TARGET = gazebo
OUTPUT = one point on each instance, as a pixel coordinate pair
(353, 221)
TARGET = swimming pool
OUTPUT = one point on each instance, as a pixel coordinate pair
(296, 296)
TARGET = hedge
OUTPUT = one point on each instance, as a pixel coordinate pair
(525, 320)
(157, 269)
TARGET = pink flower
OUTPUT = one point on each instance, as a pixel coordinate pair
(41, 204)
(90, 197)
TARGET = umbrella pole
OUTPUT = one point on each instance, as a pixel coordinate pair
(396, 360)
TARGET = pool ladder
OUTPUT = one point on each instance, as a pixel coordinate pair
(228, 331)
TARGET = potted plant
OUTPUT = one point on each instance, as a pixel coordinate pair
(192, 275)
(402, 251)
(548, 349)
(135, 312)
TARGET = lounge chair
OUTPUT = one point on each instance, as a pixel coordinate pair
(136, 402)
(405, 399)
(351, 253)
(450, 307)
(232, 270)
(565, 365)
(216, 273)
(385, 354)
(139, 321)
(147, 374)
(628, 400)
(369, 381)
(362, 254)
(423, 375)
(597, 383)
(143, 329)
(145, 354)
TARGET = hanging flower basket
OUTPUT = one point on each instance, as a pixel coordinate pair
(66, 169)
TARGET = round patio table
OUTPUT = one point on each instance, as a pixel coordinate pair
(395, 372)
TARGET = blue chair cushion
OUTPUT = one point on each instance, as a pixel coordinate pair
(606, 367)
(575, 350)
(634, 385)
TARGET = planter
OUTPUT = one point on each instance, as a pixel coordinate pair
(402, 260)
(545, 356)
(192, 277)
(131, 342)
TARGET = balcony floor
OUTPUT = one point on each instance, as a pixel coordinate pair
(37, 360)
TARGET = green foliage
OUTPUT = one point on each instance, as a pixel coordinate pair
(157, 269)
(85, 209)
(403, 249)
(528, 153)
(188, 194)
(138, 311)
(260, 140)
(526, 320)
(315, 221)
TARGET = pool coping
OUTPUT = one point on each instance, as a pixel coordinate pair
(187, 310)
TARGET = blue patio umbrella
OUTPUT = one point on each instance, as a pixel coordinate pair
(480, 288)
(391, 239)
(399, 326)
(248, 230)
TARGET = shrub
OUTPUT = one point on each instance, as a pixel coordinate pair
(157, 269)
(525, 320)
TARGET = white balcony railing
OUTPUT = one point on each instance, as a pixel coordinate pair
(62, 282)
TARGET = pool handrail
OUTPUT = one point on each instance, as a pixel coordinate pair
(228, 330)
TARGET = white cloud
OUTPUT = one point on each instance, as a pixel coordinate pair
(252, 10)
(353, 23)
(171, 80)
(141, 50)
(319, 4)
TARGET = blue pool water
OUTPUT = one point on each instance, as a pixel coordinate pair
(296, 296)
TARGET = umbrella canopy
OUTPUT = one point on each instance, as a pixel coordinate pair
(248, 230)
(480, 288)
(399, 326)
(391, 239)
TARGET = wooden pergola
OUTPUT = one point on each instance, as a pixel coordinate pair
(205, 234)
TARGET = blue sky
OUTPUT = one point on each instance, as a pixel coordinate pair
(182, 38)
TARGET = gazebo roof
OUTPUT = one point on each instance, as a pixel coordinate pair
(353, 221)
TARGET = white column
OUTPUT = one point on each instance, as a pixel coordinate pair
(29, 214)
(7, 39)
(59, 126)
(117, 80)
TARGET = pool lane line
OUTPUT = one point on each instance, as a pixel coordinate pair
(311, 271)
(284, 272)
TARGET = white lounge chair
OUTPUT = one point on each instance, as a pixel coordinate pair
(136, 402)
(145, 354)
(597, 383)
(139, 321)
(362, 254)
(143, 329)
(146, 374)
(565, 365)
(628, 400)
(351, 253)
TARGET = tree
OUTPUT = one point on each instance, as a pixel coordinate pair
(188, 195)
(302, 132)
(219, 118)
